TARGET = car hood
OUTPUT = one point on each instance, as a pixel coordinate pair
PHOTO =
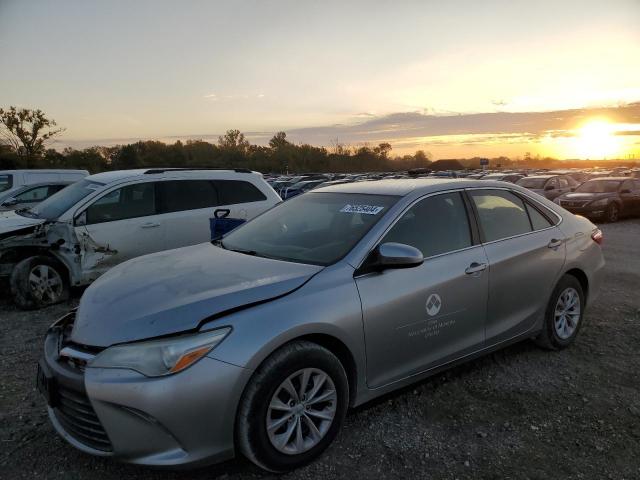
(176, 290)
(10, 221)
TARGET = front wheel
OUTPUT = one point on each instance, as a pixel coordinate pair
(37, 282)
(293, 407)
(563, 317)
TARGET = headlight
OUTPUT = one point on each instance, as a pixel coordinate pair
(161, 357)
(599, 203)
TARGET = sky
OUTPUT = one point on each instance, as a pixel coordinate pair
(456, 79)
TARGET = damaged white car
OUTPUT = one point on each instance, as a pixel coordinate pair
(74, 236)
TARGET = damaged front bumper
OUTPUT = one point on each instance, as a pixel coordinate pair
(184, 419)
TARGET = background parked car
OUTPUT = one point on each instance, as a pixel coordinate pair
(301, 187)
(549, 186)
(504, 177)
(608, 198)
(29, 195)
(87, 228)
(11, 180)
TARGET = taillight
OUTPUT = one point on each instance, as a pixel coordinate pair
(597, 236)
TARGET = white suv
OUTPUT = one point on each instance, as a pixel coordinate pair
(79, 233)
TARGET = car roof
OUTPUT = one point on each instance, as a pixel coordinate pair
(607, 178)
(401, 186)
(542, 176)
(152, 173)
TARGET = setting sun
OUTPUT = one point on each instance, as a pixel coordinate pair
(597, 139)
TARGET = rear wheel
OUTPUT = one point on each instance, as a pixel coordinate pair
(612, 213)
(37, 282)
(293, 407)
(564, 314)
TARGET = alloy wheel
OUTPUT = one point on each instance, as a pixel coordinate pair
(567, 313)
(46, 284)
(301, 411)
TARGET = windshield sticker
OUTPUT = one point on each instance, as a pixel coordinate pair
(366, 209)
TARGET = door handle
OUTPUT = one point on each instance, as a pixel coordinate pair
(475, 267)
(149, 225)
(554, 243)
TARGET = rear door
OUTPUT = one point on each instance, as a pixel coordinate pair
(417, 318)
(185, 207)
(119, 225)
(526, 253)
(243, 199)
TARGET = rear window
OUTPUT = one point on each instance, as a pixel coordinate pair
(180, 195)
(231, 192)
(6, 182)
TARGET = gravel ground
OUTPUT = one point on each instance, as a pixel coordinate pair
(519, 413)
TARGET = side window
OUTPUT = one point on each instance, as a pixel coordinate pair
(127, 202)
(180, 195)
(33, 195)
(501, 214)
(553, 182)
(237, 191)
(538, 221)
(563, 183)
(435, 225)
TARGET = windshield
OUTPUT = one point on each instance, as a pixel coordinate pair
(6, 182)
(60, 202)
(317, 228)
(532, 182)
(599, 186)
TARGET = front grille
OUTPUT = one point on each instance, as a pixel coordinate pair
(77, 417)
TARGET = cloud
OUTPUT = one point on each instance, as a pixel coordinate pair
(403, 126)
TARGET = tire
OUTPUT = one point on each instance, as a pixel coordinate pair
(612, 214)
(266, 389)
(553, 336)
(36, 282)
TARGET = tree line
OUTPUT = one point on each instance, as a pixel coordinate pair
(26, 137)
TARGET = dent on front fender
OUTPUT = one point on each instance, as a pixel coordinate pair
(57, 239)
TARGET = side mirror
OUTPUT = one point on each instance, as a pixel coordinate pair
(394, 255)
(624, 190)
(549, 187)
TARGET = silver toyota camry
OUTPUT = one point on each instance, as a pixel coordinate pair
(258, 344)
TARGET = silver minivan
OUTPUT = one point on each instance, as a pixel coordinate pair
(258, 344)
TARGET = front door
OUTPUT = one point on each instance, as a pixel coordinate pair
(120, 225)
(420, 317)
